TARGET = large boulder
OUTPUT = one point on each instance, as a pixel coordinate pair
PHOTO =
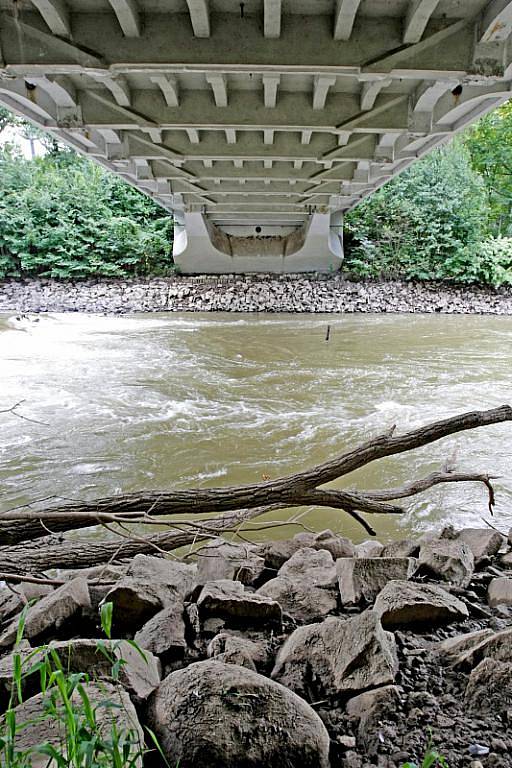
(315, 567)
(483, 542)
(276, 553)
(224, 560)
(229, 600)
(214, 715)
(51, 612)
(500, 592)
(40, 727)
(164, 633)
(299, 600)
(403, 603)
(150, 584)
(369, 548)
(447, 559)
(337, 657)
(451, 648)
(489, 689)
(362, 578)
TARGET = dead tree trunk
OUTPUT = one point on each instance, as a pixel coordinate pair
(30, 543)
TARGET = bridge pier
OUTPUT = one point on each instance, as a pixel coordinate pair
(202, 246)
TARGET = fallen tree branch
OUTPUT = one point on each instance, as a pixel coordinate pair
(21, 525)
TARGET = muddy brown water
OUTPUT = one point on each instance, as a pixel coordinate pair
(184, 400)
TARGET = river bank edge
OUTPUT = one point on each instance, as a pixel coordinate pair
(314, 651)
(250, 293)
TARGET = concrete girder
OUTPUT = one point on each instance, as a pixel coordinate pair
(169, 87)
(270, 82)
(128, 16)
(56, 16)
(418, 16)
(272, 18)
(497, 21)
(371, 89)
(60, 89)
(199, 17)
(344, 18)
(321, 85)
(118, 87)
(218, 82)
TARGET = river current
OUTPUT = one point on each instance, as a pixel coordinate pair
(186, 400)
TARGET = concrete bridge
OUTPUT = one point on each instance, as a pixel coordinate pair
(257, 123)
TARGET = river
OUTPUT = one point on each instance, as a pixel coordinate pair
(184, 400)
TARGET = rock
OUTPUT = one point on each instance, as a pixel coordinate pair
(39, 729)
(500, 592)
(369, 709)
(303, 603)
(316, 568)
(454, 646)
(370, 548)
(363, 578)
(150, 585)
(483, 542)
(214, 715)
(139, 676)
(51, 612)
(498, 646)
(223, 560)
(164, 633)
(402, 548)
(506, 560)
(231, 649)
(405, 603)
(337, 656)
(229, 599)
(489, 689)
(276, 553)
(449, 560)
(338, 546)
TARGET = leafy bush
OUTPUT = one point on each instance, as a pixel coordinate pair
(63, 216)
(425, 224)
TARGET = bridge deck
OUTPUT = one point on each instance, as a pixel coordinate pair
(259, 122)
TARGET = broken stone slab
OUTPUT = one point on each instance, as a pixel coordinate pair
(489, 689)
(500, 592)
(150, 584)
(403, 603)
(229, 599)
(40, 729)
(302, 602)
(402, 548)
(231, 649)
(453, 647)
(447, 559)
(139, 673)
(337, 656)
(221, 559)
(369, 709)
(215, 715)
(498, 646)
(164, 633)
(51, 612)
(363, 578)
(315, 567)
(483, 542)
(369, 548)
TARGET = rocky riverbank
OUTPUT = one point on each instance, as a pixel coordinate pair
(228, 293)
(310, 652)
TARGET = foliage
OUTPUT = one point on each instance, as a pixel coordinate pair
(489, 143)
(83, 743)
(425, 224)
(432, 758)
(63, 216)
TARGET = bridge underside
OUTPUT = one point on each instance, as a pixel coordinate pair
(257, 123)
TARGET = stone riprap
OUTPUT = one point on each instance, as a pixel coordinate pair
(296, 674)
(230, 293)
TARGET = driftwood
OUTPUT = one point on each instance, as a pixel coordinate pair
(33, 541)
